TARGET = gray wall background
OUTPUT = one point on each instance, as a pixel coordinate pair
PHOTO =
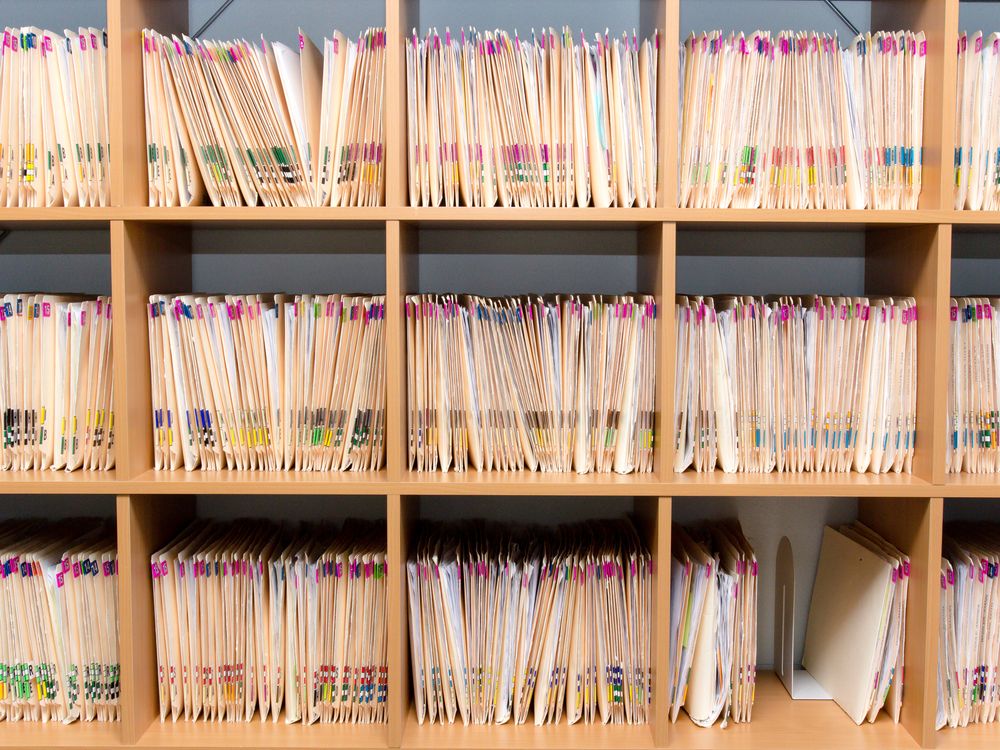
(488, 261)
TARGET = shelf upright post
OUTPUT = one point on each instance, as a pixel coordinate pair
(401, 16)
(400, 519)
(146, 259)
(657, 264)
(400, 278)
(145, 523)
(126, 106)
(916, 260)
(914, 525)
(653, 518)
(938, 19)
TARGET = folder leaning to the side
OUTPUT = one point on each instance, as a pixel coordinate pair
(857, 622)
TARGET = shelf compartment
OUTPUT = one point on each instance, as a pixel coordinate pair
(850, 484)
(261, 482)
(55, 734)
(553, 736)
(971, 485)
(972, 737)
(779, 722)
(526, 483)
(39, 482)
(261, 734)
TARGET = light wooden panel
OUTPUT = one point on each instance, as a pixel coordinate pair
(653, 515)
(400, 277)
(400, 18)
(145, 259)
(914, 526)
(400, 519)
(145, 523)
(916, 261)
(938, 19)
(126, 108)
(668, 103)
(656, 268)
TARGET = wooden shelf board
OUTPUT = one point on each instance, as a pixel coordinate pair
(613, 218)
(510, 736)
(526, 483)
(260, 482)
(971, 485)
(779, 722)
(38, 482)
(811, 218)
(972, 737)
(57, 734)
(237, 216)
(974, 219)
(58, 217)
(258, 734)
(796, 485)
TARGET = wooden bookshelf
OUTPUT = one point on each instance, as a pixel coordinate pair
(152, 250)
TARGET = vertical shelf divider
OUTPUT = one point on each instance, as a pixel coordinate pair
(654, 518)
(938, 19)
(917, 261)
(145, 259)
(400, 520)
(126, 107)
(145, 522)
(400, 17)
(914, 525)
(657, 269)
(400, 276)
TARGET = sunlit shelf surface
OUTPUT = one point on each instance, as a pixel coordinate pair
(232, 216)
(982, 218)
(264, 482)
(794, 485)
(56, 217)
(972, 485)
(779, 722)
(57, 734)
(972, 737)
(526, 483)
(553, 736)
(820, 218)
(463, 215)
(53, 482)
(262, 734)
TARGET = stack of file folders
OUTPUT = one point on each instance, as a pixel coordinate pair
(856, 632)
(56, 383)
(248, 123)
(977, 123)
(550, 384)
(508, 624)
(272, 382)
(54, 118)
(713, 624)
(969, 637)
(542, 121)
(59, 599)
(795, 384)
(974, 386)
(255, 618)
(794, 121)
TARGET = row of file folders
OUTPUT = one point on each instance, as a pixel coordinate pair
(261, 620)
(561, 383)
(786, 120)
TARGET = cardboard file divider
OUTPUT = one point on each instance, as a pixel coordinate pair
(798, 682)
